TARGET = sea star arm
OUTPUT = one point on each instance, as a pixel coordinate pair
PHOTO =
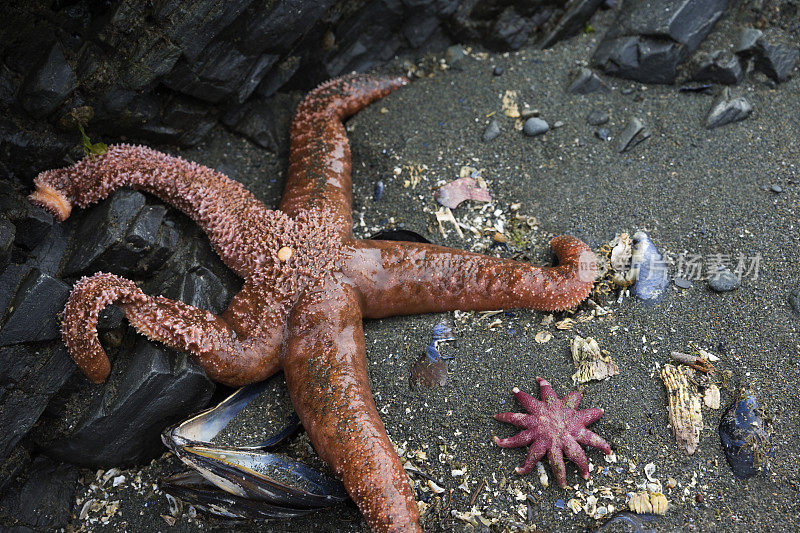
(319, 156)
(222, 207)
(210, 340)
(326, 372)
(397, 278)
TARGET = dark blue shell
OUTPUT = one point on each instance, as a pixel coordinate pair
(745, 440)
(653, 278)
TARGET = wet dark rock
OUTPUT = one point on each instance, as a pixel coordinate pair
(7, 233)
(34, 310)
(603, 134)
(587, 82)
(510, 30)
(775, 58)
(723, 280)
(48, 255)
(597, 117)
(189, 120)
(47, 86)
(651, 38)
(278, 76)
(498, 71)
(633, 134)
(572, 22)
(727, 110)
(720, 67)
(491, 132)
(32, 226)
(17, 460)
(265, 121)
(42, 500)
(120, 421)
(102, 235)
(794, 301)
(29, 378)
(745, 437)
(455, 57)
(202, 288)
(535, 126)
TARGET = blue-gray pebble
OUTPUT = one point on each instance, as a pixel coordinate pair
(723, 280)
(535, 126)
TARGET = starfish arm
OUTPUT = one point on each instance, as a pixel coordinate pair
(556, 458)
(397, 278)
(528, 402)
(535, 454)
(220, 206)
(575, 453)
(319, 153)
(546, 391)
(589, 416)
(587, 437)
(523, 438)
(211, 342)
(326, 372)
(518, 419)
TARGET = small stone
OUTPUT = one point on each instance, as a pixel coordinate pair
(491, 132)
(720, 67)
(723, 280)
(49, 84)
(794, 301)
(682, 283)
(597, 117)
(587, 82)
(726, 110)
(284, 254)
(603, 134)
(455, 56)
(558, 124)
(633, 134)
(776, 188)
(535, 126)
(498, 71)
(627, 90)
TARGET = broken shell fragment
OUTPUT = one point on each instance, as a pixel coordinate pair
(684, 406)
(711, 397)
(430, 368)
(590, 362)
(454, 193)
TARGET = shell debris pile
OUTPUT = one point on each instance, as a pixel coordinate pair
(590, 361)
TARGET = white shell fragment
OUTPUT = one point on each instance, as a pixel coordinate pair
(590, 362)
(684, 406)
(648, 502)
(711, 398)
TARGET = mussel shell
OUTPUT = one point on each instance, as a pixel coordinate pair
(264, 476)
(744, 439)
(630, 522)
(194, 489)
(399, 235)
(652, 276)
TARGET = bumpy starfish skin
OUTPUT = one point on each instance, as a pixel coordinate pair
(307, 285)
(554, 427)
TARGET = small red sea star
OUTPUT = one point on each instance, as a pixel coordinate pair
(553, 426)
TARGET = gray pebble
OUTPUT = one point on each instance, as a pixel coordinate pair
(794, 301)
(498, 71)
(558, 124)
(776, 188)
(491, 132)
(723, 280)
(627, 90)
(598, 117)
(603, 134)
(682, 283)
(535, 126)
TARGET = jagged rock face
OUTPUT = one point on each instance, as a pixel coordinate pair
(167, 72)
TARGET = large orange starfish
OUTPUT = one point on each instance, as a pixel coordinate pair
(308, 284)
